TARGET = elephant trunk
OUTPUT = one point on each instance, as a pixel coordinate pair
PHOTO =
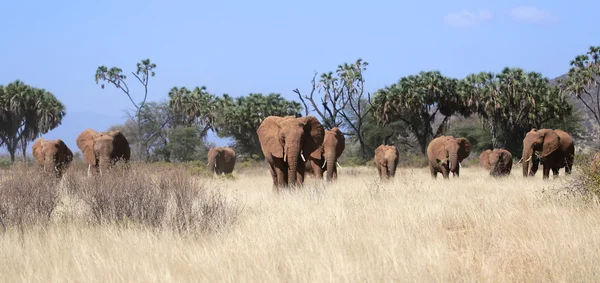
(391, 167)
(292, 155)
(331, 163)
(453, 162)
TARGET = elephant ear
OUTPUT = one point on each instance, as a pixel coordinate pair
(465, 148)
(341, 145)
(37, 151)
(551, 142)
(85, 143)
(380, 155)
(268, 136)
(121, 144)
(315, 134)
(66, 153)
(484, 159)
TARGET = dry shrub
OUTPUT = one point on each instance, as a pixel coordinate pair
(27, 197)
(586, 184)
(153, 197)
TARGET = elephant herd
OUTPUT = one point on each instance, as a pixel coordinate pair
(294, 146)
(99, 150)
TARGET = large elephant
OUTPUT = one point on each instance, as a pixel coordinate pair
(445, 153)
(332, 148)
(498, 161)
(221, 160)
(101, 150)
(554, 149)
(386, 161)
(286, 140)
(52, 155)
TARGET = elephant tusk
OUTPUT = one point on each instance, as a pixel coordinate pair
(338, 164)
(324, 163)
(528, 158)
(459, 165)
(55, 169)
(285, 157)
(302, 155)
(520, 160)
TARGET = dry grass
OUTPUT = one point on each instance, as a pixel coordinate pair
(412, 229)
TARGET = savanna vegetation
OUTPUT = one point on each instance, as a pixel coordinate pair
(166, 218)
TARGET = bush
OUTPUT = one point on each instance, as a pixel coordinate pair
(140, 195)
(27, 197)
(586, 183)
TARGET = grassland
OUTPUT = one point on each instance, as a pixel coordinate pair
(412, 229)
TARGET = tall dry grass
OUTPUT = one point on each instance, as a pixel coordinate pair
(411, 229)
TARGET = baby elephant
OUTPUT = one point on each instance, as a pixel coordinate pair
(386, 160)
(498, 161)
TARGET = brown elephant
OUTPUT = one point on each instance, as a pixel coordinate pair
(445, 153)
(498, 161)
(554, 149)
(386, 161)
(221, 160)
(101, 150)
(286, 140)
(332, 148)
(52, 155)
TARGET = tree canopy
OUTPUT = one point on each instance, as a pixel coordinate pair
(26, 112)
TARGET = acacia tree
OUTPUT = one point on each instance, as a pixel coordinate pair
(583, 80)
(343, 101)
(196, 108)
(116, 77)
(25, 113)
(417, 100)
(512, 102)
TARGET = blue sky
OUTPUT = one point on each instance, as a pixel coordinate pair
(240, 47)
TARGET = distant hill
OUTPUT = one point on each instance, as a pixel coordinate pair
(591, 135)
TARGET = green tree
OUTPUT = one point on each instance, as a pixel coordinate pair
(116, 77)
(417, 100)
(193, 108)
(240, 118)
(26, 113)
(512, 102)
(186, 144)
(583, 80)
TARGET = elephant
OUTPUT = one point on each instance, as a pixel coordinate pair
(221, 160)
(102, 150)
(386, 161)
(284, 140)
(554, 149)
(332, 148)
(445, 153)
(53, 154)
(498, 161)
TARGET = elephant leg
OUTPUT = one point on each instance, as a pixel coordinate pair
(555, 172)
(317, 170)
(379, 172)
(273, 174)
(433, 172)
(445, 172)
(568, 166)
(457, 173)
(546, 173)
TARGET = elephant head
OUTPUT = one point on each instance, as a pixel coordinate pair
(497, 161)
(284, 140)
(333, 147)
(451, 151)
(103, 149)
(540, 143)
(52, 155)
(221, 160)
